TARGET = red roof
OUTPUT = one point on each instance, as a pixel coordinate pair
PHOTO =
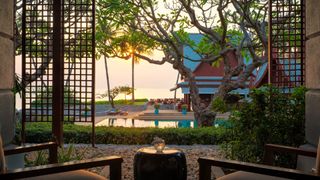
(205, 69)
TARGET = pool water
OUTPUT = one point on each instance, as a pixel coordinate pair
(147, 123)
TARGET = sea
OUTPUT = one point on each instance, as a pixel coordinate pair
(149, 93)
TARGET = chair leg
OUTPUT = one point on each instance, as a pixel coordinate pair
(204, 171)
(53, 154)
(115, 171)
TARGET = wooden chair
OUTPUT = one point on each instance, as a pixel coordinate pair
(249, 171)
(68, 170)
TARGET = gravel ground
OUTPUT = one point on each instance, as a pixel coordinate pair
(127, 152)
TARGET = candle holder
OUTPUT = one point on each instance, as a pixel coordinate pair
(159, 144)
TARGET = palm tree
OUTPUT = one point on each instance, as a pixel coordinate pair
(108, 81)
(137, 45)
(103, 33)
(134, 60)
(125, 43)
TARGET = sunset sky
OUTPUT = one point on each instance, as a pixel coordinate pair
(147, 76)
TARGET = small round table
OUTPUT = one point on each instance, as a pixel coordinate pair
(168, 165)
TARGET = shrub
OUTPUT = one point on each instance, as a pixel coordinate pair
(41, 132)
(270, 117)
(219, 105)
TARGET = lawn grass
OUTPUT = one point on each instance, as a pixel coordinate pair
(137, 102)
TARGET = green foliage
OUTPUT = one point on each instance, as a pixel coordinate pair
(114, 92)
(41, 158)
(115, 36)
(270, 117)
(126, 90)
(18, 86)
(41, 132)
(219, 105)
(44, 96)
(69, 154)
(64, 155)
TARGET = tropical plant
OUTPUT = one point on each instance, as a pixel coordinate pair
(64, 155)
(114, 92)
(126, 90)
(269, 117)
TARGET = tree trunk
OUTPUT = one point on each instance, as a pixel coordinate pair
(108, 81)
(205, 116)
(175, 91)
(202, 114)
(69, 74)
(133, 78)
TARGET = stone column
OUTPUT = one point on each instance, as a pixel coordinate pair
(7, 110)
(312, 82)
(313, 71)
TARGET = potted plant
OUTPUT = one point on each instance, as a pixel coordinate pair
(156, 108)
(87, 111)
(184, 108)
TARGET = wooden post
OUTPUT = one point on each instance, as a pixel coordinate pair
(58, 63)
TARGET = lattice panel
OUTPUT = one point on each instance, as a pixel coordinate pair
(287, 48)
(79, 59)
(37, 52)
(78, 52)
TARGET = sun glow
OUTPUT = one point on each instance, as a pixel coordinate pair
(131, 50)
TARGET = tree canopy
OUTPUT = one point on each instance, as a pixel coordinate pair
(231, 28)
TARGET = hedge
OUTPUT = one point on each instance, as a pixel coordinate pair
(41, 132)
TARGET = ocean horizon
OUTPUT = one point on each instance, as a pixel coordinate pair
(149, 93)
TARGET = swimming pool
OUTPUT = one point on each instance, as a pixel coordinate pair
(147, 123)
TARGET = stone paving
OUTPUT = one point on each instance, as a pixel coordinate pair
(127, 152)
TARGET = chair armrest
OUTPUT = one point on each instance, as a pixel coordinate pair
(51, 146)
(113, 161)
(270, 149)
(29, 148)
(206, 163)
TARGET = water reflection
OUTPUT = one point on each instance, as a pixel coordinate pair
(146, 123)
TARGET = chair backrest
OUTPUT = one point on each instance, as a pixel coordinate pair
(318, 158)
(2, 158)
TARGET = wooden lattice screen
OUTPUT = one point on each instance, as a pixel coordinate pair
(287, 43)
(58, 61)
